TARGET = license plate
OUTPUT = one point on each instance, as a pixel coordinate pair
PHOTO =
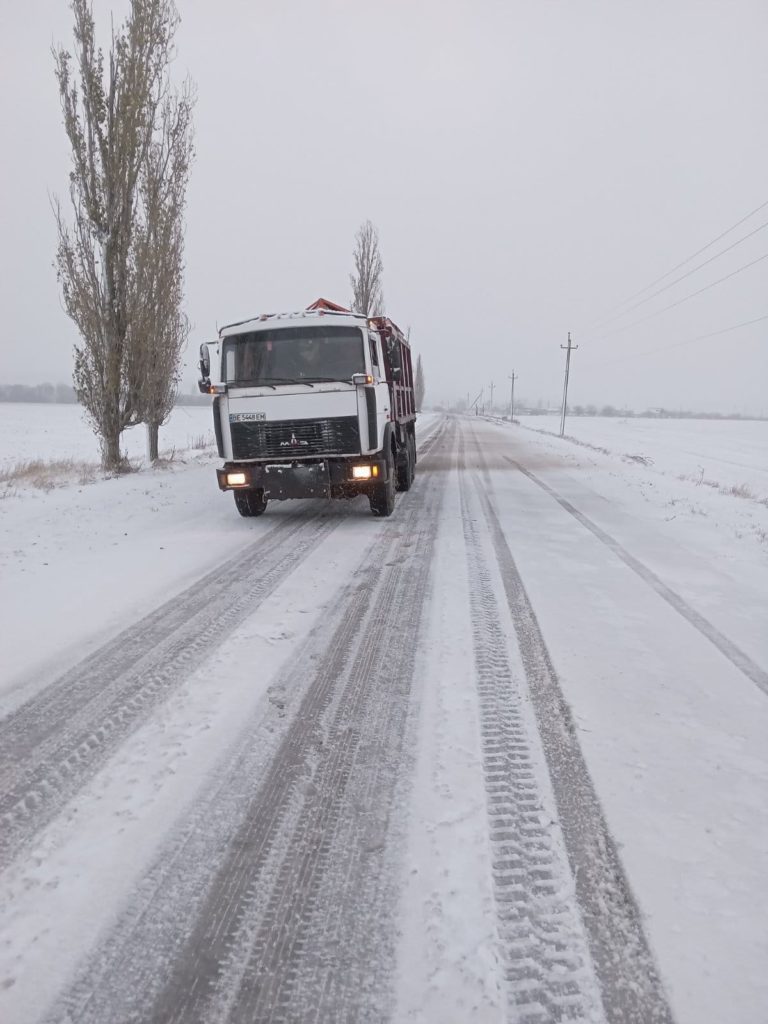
(243, 417)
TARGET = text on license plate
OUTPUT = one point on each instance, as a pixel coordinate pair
(242, 417)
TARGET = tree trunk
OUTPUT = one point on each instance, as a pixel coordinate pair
(110, 451)
(153, 430)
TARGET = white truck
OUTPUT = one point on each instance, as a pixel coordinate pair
(318, 403)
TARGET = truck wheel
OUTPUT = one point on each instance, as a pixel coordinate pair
(405, 469)
(382, 496)
(412, 449)
(250, 503)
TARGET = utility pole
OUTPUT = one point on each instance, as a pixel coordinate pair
(491, 398)
(568, 349)
(513, 378)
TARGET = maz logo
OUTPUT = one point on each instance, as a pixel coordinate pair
(294, 443)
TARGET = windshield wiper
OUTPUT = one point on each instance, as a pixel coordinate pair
(332, 380)
(267, 382)
(248, 383)
(288, 380)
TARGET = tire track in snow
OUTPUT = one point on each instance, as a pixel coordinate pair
(323, 926)
(632, 992)
(726, 647)
(54, 744)
(547, 964)
(274, 901)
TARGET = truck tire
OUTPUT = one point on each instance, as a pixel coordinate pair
(405, 468)
(382, 496)
(250, 503)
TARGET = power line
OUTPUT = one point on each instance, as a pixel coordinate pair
(685, 298)
(679, 344)
(683, 263)
(688, 273)
(703, 337)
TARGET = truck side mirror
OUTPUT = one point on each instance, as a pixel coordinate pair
(397, 372)
(204, 384)
(205, 361)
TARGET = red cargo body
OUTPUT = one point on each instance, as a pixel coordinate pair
(397, 352)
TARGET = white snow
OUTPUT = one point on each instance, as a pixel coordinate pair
(673, 733)
(115, 827)
(447, 898)
(80, 563)
(49, 432)
(712, 453)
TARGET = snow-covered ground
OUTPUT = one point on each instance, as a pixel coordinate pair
(665, 720)
(447, 730)
(722, 453)
(31, 431)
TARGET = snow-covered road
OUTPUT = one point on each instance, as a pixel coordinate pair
(501, 757)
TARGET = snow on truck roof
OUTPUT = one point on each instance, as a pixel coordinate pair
(330, 311)
(320, 307)
(271, 320)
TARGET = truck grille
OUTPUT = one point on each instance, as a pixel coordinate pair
(295, 438)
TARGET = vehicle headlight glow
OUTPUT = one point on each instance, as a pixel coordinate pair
(361, 472)
(236, 479)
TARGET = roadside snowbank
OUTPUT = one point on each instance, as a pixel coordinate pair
(725, 454)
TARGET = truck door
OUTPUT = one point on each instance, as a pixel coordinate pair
(378, 396)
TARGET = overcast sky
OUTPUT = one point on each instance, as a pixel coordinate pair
(529, 165)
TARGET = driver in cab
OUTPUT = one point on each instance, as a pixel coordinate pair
(308, 358)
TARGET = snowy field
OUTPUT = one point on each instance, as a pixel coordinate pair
(31, 431)
(725, 453)
(526, 714)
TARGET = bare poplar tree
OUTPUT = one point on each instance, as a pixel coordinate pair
(159, 329)
(420, 385)
(109, 120)
(367, 296)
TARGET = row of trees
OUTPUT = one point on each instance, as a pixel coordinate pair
(659, 414)
(52, 393)
(368, 293)
(526, 408)
(120, 255)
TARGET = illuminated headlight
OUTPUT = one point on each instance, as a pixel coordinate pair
(236, 479)
(361, 472)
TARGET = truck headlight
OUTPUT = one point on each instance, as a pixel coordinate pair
(236, 479)
(361, 472)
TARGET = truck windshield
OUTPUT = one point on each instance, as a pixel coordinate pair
(293, 354)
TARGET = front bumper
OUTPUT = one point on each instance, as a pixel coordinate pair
(303, 478)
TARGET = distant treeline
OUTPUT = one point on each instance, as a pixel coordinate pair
(524, 408)
(64, 394)
(659, 414)
(61, 393)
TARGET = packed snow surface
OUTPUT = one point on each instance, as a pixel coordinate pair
(608, 570)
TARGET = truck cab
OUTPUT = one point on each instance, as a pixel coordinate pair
(317, 403)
